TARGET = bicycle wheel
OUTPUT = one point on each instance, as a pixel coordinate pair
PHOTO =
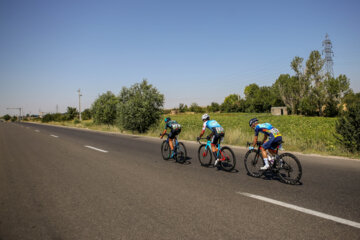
(204, 155)
(228, 159)
(165, 150)
(289, 168)
(253, 162)
(181, 154)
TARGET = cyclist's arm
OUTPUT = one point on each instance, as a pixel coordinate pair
(163, 133)
(203, 130)
(255, 141)
(202, 133)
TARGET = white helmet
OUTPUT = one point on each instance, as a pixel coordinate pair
(205, 117)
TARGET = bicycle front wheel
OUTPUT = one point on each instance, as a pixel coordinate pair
(204, 155)
(289, 168)
(228, 159)
(165, 150)
(181, 154)
(253, 162)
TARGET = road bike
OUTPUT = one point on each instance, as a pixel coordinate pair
(180, 153)
(286, 165)
(225, 154)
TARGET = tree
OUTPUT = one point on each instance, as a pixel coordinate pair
(313, 73)
(139, 107)
(71, 113)
(336, 89)
(104, 109)
(194, 107)
(7, 117)
(86, 114)
(231, 103)
(288, 88)
(183, 108)
(214, 107)
(348, 127)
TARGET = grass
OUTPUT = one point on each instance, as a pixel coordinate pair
(301, 134)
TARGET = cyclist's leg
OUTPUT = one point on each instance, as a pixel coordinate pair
(171, 140)
(264, 147)
(275, 144)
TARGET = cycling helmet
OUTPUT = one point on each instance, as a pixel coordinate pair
(252, 121)
(167, 119)
(205, 117)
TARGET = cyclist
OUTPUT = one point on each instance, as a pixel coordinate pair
(175, 130)
(271, 134)
(217, 134)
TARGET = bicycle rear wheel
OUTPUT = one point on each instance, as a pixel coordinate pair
(289, 168)
(253, 162)
(165, 150)
(181, 154)
(204, 155)
(228, 159)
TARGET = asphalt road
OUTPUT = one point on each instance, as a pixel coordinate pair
(53, 187)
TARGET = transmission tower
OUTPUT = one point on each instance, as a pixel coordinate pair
(328, 55)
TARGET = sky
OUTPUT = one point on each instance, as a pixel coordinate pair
(191, 51)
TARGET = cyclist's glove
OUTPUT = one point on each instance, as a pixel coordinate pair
(251, 148)
(198, 139)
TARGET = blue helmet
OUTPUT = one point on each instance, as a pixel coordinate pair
(252, 121)
(167, 119)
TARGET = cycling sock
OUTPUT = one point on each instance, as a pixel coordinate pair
(266, 161)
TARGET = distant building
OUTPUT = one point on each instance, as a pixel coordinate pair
(279, 111)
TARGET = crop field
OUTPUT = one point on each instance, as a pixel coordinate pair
(300, 134)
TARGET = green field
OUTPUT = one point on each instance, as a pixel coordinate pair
(301, 134)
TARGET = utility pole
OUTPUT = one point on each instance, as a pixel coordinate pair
(20, 112)
(79, 104)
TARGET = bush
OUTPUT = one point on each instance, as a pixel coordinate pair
(7, 117)
(47, 118)
(104, 109)
(139, 107)
(86, 114)
(348, 128)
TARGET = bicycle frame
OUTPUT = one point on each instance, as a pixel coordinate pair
(208, 145)
(176, 141)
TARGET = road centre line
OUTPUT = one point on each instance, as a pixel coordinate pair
(54, 136)
(301, 209)
(97, 149)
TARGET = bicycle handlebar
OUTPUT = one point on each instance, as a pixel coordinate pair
(258, 143)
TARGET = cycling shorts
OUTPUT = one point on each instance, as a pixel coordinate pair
(217, 138)
(174, 133)
(272, 143)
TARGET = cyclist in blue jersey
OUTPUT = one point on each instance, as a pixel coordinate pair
(217, 134)
(175, 129)
(271, 134)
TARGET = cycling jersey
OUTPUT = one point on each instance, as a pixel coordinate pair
(173, 125)
(268, 129)
(214, 126)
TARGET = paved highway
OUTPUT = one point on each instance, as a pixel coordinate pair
(62, 183)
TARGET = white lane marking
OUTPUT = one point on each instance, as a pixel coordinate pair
(304, 210)
(97, 149)
(54, 136)
(37, 130)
